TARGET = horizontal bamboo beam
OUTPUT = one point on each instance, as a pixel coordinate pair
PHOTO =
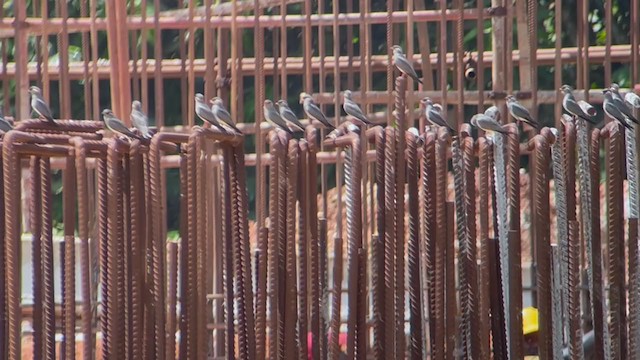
(172, 68)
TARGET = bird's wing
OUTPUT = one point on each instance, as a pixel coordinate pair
(5, 125)
(573, 108)
(615, 113)
(620, 104)
(42, 108)
(140, 122)
(205, 114)
(354, 110)
(117, 126)
(405, 66)
(522, 112)
(316, 114)
(489, 124)
(294, 119)
(274, 117)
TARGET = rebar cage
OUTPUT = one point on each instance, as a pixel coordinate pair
(417, 252)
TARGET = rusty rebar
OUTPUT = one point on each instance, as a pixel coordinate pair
(440, 244)
(390, 244)
(541, 242)
(599, 314)
(556, 302)
(377, 251)
(291, 340)
(227, 249)
(276, 149)
(105, 269)
(35, 217)
(317, 318)
(575, 330)
(172, 291)
(281, 248)
(400, 109)
(334, 328)
(323, 272)
(429, 227)
(3, 293)
(11, 164)
(451, 307)
(137, 211)
(634, 295)
(69, 217)
(261, 292)
(303, 245)
(415, 296)
(464, 329)
(484, 277)
(615, 247)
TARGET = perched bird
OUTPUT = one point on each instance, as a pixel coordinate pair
(487, 123)
(632, 99)
(571, 106)
(139, 119)
(493, 112)
(519, 112)
(204, 113)
(288, 115)
(352, 109)
(273, 117)
(39, 105)
(618, 101)
(4, 124)
(116, 125)
(401, 62)
(612, 110)
(435, 116)
(223, 116)
(313, 112)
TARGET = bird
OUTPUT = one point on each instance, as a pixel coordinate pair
(519, 112)
(434, 115)
(5, 126)
(618, 101)
(204, 113)
(39, 105)
(274, 118)
(313, 112)
(288, 115)
(493, 112)
(570, 105)
(487, 123)
(612, 110)
(352, 109)
(139, 119)
(632, 99)
(221, 114)
(401, 62)
(116, 125)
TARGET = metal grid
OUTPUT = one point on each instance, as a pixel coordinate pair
(292, 227)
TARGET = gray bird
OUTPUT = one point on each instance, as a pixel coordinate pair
(618, 101)
(116, 125)
(612, 110)
(493, 112)
(5, 126)
(287, 114)
(352, 109)
(570, 105)
(487, 123)
(401, 62)
(313, 112)
(519, 112)
(223, 116)
(39, 105)
(632, 99)
(435, 116)
(273, 117)
(204, 113)
(139, 119)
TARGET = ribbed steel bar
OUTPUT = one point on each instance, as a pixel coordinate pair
(3, 293)
(114, 225)
(389, 239)
(400, 115)
(291, 340)
(461, 233)
(172, 291)
(227, 260)
(105, 268)
(377, 251)
(277, 151)
(575, 330)
(599, 316)
(137, 211)
(542, 244)
(469, 249)
(316, 311)
(559, 179)
(631, 160)
(281, 248)
(188, 335)
(451, 310)
(323, 272)
(616, 260)
(502, 232)
(634, 298)
(484, 276)
(11, 165)
(334, 327)
(303, 245)
(35, 217)
(352, 258)
(428, 208)
(440, 244)
(415, 296)
(69, 217)
(181, 267)
(556, 302)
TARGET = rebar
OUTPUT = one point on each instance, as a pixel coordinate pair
(303, 245)
(484, 276)
(429, 228)
(35, 216)
(390, 244)
(291, 335)
(274, 196)
(316, 291)
(575, 330)
(378, 252)
(556, 302)
(69, 285)
(415, 296)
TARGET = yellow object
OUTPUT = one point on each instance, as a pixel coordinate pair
(529, 320)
